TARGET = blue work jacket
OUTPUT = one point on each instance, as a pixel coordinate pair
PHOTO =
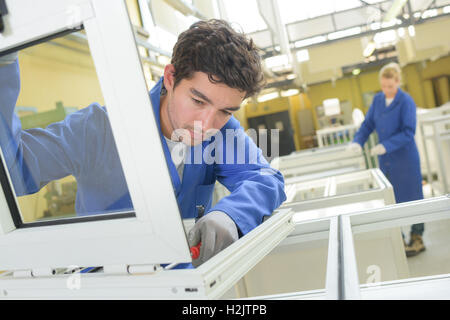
(395, 126)
(82, 145)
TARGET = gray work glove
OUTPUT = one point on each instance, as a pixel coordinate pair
(378, 150)
(8, 59)
(354, 148)
(216, 231)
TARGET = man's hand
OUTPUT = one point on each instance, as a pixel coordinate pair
(354, 147)
(378, 150)
(8, 59)
(216, 231)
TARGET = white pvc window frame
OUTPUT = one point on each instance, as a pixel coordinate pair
(420, 211)
(439, 134)
(209, 281)
(156, 234)
(382, 190)
(331, 136)
(341, 276)
(217, 276)
(319, 162)
(342, 282)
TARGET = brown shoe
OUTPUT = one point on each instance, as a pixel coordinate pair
(415, 245)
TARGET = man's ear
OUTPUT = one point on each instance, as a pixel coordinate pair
(169, 79)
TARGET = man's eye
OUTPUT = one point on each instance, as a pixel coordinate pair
(226, 112)
(197, 101)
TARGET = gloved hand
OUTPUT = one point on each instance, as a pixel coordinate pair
(378, 150)
(216, 231)
(8, 59)
(354, 147)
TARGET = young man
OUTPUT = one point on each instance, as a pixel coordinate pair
(213, 69)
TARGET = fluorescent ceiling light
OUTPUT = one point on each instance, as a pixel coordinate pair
(291, 76)
(375, 26)
(302, 55)
(370, 48)
(429, 13)
(356, 71)
(446, 9)
(309, 41)
(290, 92)
(268, 96)
(401, 32)
(344, 33)
(389, 23)
(411, 31)
(385, 37)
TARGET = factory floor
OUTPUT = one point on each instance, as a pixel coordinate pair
(436, 258)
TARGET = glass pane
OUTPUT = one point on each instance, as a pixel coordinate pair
(350, 183)
(357, 182)
(56, 138)
(436, 153)
(384, 255)
(307, 190)
(335, 208)
(295, 265)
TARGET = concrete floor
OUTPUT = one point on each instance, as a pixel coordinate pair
(436, 258)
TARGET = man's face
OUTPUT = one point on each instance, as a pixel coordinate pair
(389, 86)
(198, 108)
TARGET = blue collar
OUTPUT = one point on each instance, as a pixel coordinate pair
(398, 97)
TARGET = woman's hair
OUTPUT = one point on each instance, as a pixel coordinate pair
(225, 55)
(391, 71)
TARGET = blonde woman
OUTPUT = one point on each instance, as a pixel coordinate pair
(393, 116)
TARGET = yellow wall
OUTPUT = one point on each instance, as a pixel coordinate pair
(49, 73)
(416, 81)
(274, 106)
(45, 79)
(298, 102)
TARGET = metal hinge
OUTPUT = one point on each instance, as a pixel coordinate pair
(132, 269)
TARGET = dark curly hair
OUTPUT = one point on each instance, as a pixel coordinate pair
(225, 55)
